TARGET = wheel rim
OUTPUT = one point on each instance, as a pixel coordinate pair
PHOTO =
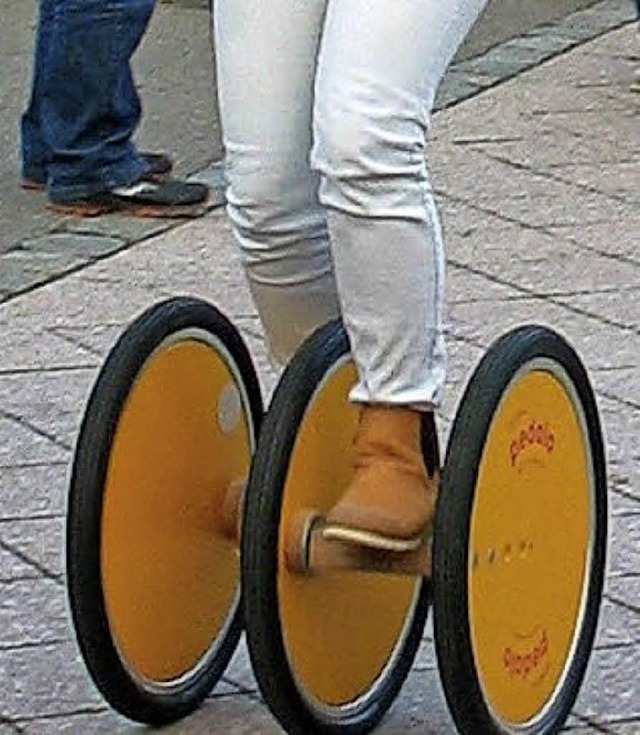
(323, 617)
(170, 571)
(531, 544)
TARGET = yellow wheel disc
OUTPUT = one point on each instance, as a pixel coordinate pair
(170, 572)
(530, 544)
(341, 629)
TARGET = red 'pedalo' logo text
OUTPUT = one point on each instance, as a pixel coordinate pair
(536, 434)
(522, 664)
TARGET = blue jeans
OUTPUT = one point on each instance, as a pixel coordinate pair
(84, 107)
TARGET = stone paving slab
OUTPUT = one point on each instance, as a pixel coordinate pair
(612, 686)
(38, 541)
(625, 590)
(18, 440)
(13, 568)
(508, 263)
(33, 492)
(32, 612)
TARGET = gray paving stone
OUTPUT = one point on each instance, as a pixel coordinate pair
(32, 611)
(624, 504)
(44, 681)
(84, 246)
(33, 491)
(488, 243)
(183, 262)
(39, 540)
(550, 152)
(626, 590)
(620, 383)
(35, 396)
(419, 708)
(534, 199)
(116, 300)
(125, 229)
(239, 672)
(570, 271)
(505, 186)
(100, 723)
(13, 568)
(625, 546)
(97, 339)
(624, 476)
(451, 402)
(236, 715)
(612, 688)
(621, 425)
(547, 40)
(108, 298)
(105, 721)
(462, 359)
(199, 258)
(20, 444)
(465, 287)
(459, 85)
(616, 141)
(513, 56)
(625, 728)
(622, 307)
(615, 179)
(27, 347)
(22, 270)
(619, 626)
(557, 207)
(63, 425)
(426, 657)
(599, 345)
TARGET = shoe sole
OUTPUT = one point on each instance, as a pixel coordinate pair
(145, 211)
(29, 185)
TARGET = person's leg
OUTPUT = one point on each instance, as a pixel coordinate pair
(266, 59)
(87, 65)
(35, 154)
(87, 120)
(379, 71)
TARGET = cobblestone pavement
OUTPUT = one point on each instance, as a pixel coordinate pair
(539, 183)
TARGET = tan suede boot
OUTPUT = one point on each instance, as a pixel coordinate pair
(390, 504)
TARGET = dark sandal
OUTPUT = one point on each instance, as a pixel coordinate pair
(160, 166)
(144, 198)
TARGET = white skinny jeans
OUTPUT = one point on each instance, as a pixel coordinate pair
(325, 107)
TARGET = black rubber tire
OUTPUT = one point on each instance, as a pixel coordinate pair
(83, 542)
(453, 521)
(260, 550)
